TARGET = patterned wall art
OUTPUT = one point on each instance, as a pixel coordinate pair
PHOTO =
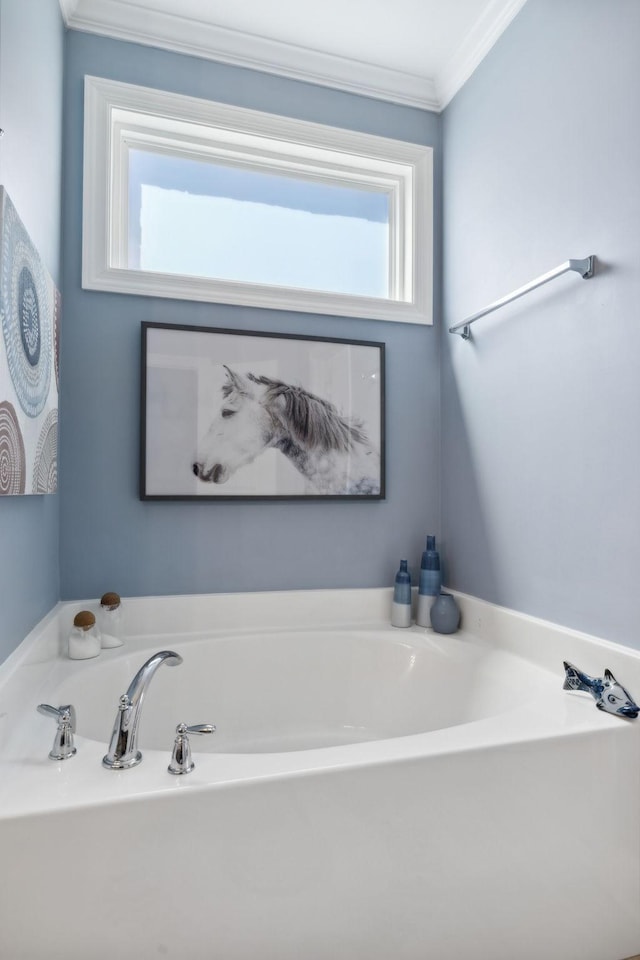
(30, 310)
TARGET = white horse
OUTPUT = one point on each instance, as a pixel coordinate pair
(258, 414)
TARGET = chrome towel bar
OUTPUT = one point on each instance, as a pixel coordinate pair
(583, 267)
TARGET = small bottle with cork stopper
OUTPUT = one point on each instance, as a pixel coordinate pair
(110, 620)
(84, 639)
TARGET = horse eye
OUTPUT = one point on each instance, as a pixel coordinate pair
(611, 698)
(228, 413)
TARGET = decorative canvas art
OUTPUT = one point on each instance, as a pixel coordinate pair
(29, 353)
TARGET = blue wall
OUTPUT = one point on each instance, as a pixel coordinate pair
(111, 540)
(540, 442)
(31, 72)
(541, 439)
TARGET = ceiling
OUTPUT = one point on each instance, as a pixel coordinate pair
(416, 52)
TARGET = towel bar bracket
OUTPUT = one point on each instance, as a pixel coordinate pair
(583, 267)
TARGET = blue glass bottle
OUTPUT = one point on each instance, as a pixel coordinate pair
(401, 606)
(430, 582)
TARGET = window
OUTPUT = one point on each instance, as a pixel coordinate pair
(197, 200)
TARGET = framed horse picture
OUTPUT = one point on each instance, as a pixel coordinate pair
(232, 415)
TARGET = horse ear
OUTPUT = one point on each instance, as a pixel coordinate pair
(235, 382)
(609, 676)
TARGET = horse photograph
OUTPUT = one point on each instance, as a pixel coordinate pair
(229, 415)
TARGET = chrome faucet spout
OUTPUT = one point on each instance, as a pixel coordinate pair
(123, 747)
(139, 684)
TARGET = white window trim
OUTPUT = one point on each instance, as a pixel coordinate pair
(119, 115)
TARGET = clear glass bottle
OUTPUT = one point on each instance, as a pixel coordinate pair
(84, 639)
(110, 620)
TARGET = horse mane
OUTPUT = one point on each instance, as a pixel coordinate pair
(312, 421)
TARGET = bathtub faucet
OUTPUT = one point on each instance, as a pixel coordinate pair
(123, 748)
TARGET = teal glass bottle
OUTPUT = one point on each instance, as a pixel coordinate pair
(430, 582)
(401, 605)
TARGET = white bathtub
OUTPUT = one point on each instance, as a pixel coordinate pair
(270, 692)
(370, 793)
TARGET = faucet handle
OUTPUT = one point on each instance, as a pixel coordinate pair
(65, 716)
(181, 761)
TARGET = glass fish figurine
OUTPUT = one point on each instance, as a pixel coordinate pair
(606, 691)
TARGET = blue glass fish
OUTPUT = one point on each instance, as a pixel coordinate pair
(606, 691)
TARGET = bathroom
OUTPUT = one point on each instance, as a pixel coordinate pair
(519, 449)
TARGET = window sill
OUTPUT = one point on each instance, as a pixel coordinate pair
(141, 283)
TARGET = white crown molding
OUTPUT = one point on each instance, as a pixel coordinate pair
(476, 45)
(68, 8)
(125, 20)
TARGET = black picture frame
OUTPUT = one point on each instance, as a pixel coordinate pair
(244, 415)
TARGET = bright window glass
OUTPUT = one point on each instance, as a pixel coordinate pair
(232, 222)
